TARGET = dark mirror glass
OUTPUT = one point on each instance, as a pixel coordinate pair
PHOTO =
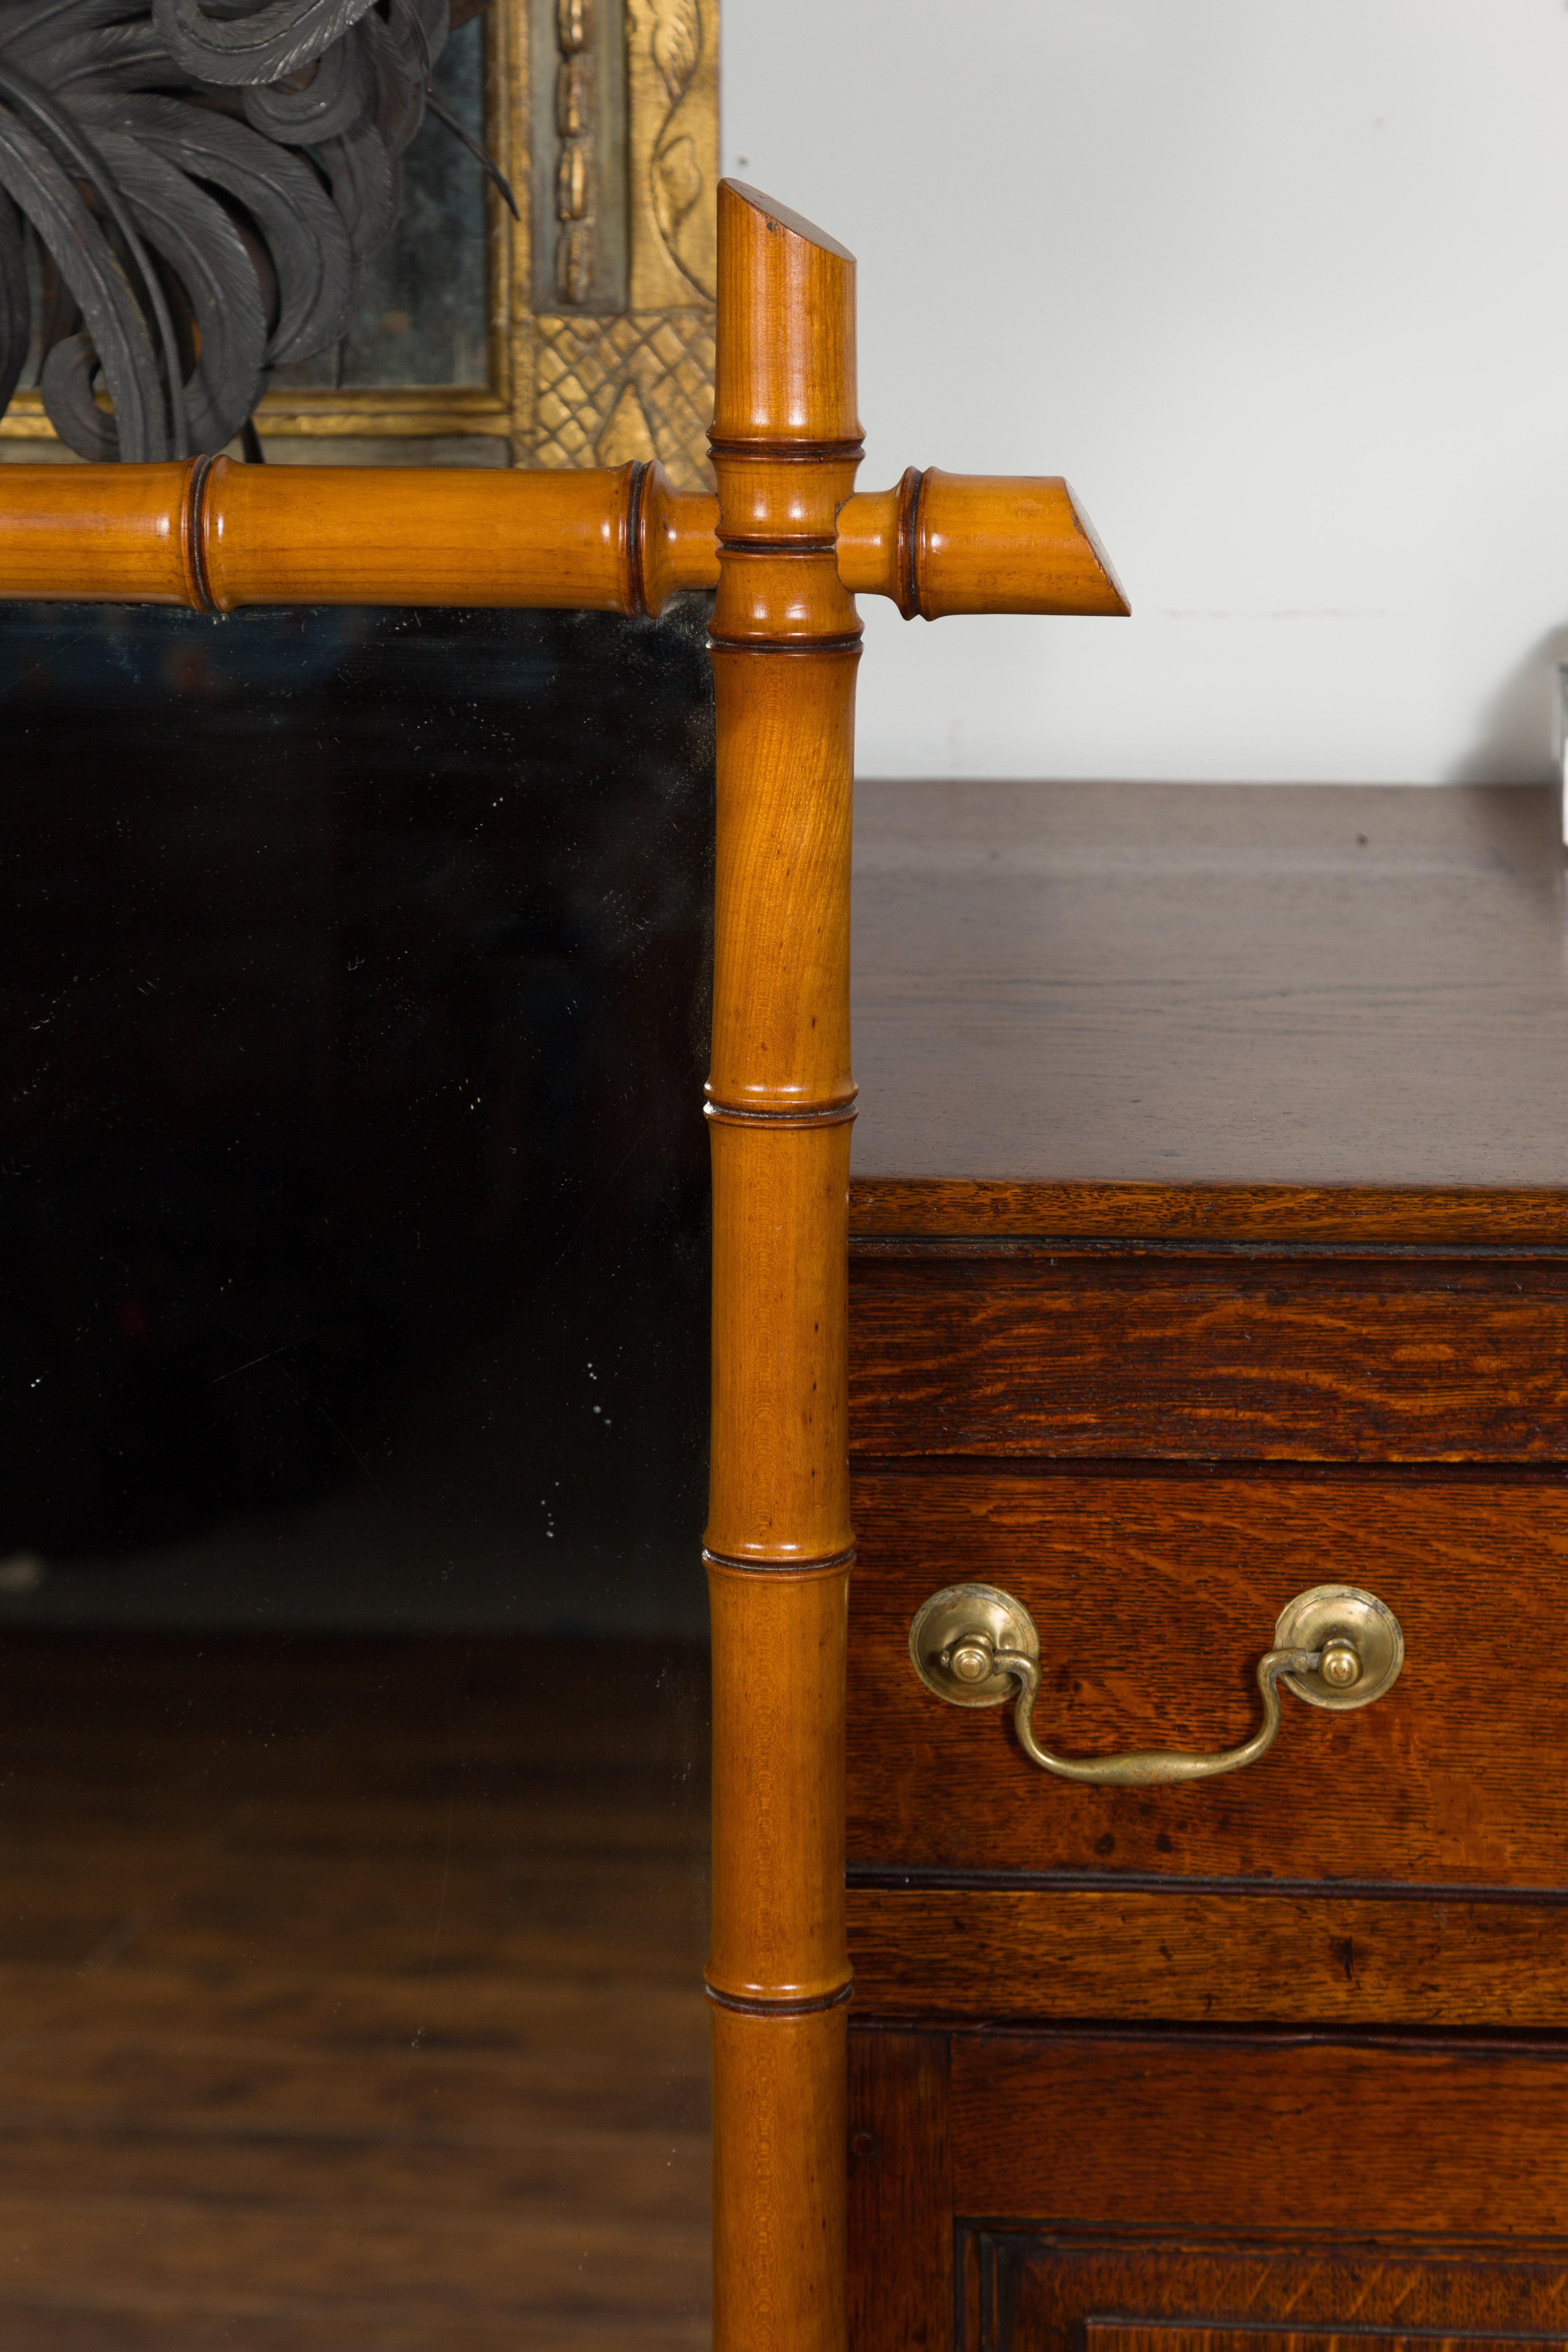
(353, 1368)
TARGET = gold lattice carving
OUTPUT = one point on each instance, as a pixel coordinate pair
(635, 386)
(571, 387)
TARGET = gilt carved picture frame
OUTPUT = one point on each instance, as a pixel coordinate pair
(593, 339)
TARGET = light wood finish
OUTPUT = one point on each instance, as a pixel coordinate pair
(219, 536)
(777, 1491)
(786, 331)
(780, 1056)
(785, 443)
(778, 1785)
(676, 542)
(780, 2220)
(98, 534)
(977, 543)
(781, 1023)
(610, 539)
(347, 535)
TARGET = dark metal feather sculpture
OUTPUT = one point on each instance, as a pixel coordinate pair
(199, 182)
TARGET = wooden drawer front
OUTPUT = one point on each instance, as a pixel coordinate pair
(1272, 2136)
(1154, 1596)
(1227, 1954)
(1238, 1356)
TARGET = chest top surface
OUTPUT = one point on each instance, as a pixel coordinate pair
(1066, 990)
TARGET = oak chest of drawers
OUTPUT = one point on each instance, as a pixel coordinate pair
(1211, 1218)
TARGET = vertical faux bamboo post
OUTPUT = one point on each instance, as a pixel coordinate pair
(786, 641)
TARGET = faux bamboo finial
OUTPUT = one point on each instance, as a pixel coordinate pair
(977, 543)
(772, 386)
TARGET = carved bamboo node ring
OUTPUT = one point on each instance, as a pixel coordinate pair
(787, 453)
(776, 2005)
(838, 1114)
(782, 1566)
(802, 650)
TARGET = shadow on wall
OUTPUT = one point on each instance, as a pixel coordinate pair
(1518, 737)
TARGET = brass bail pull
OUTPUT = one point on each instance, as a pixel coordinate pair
(1335, 1647)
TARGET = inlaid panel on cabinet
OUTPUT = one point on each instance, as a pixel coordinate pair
(1047, 2292)
(1179, 2335)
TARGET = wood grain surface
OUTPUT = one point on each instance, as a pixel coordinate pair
(1177, 2336)
(1453, 1217)
(1017, 1348)
(1153, 1597)
(603, 538)
(103, 533)
(900, 2194)
(944, 543)
(778, 1784)
(1043, 2294)
(1263, 2136)
(351, 1996)
(1316, 986)
(780, 2256)
(784, 636)
(219, 536)
(233, 535)
(778, 1483)
(786, 756)
(1227, 1954)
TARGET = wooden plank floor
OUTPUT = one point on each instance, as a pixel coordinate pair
(348, 1995)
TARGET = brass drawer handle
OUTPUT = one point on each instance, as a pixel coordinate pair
(1335, 1646)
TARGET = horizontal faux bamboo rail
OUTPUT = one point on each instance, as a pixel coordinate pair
(216, 536)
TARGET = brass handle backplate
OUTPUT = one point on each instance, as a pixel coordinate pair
(1335, 1646)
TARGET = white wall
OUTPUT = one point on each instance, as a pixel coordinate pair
(1282, 289)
